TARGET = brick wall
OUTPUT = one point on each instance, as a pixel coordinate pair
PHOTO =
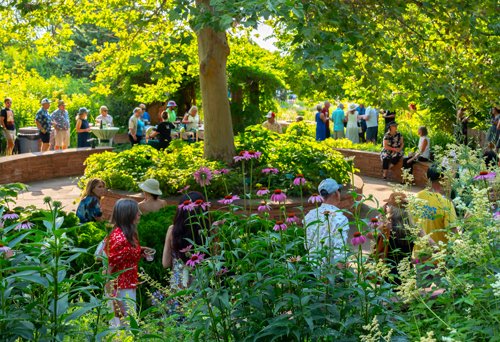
(36, 166)
(369, 164)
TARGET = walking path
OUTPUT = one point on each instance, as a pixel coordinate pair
(67, 192)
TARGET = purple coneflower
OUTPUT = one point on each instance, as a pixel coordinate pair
(292, 218)
(187, 205)
(485, 175)
(374, 223)
(221, 172)
(252, 155)
(184, 189)
(496, 215)
(24, 225)
(229, 199)
(201, 203)
(269, 170)
(280, 225)
(262, 192)
(278, 196)
(299, 180)
(315, 198)
(186, 249)
(358, 239)
(195, 259)
(203, 176)
(263, 207)
(10, 216)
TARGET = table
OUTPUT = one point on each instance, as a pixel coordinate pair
(104, 135)
(198, 135)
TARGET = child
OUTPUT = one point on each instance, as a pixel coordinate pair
(89, 208)
(82, 128)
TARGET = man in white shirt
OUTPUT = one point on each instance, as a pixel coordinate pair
(326, 226)
(371, 117)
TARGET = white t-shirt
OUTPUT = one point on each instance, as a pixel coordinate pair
(322, 233)
(193, 122)
(372, 117)
(427, 152)
(108, 120)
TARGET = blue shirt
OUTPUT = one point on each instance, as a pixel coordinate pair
(140, 128)
(88, 209)
(43, 117)
(338, 120)
(320, 128)
(146, 117)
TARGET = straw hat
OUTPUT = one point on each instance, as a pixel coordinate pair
(151, 186)
(351, 108)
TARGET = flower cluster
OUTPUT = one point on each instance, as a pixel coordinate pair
(299, 180)
(229, 199)
(292, 218)
(485, 175)
(315, 198)
(190, 205)
(262, 191)
(221, 172)
(247, 155)
(263, 207)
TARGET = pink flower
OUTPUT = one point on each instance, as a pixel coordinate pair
(186, 249)
(485, 175)
(263, 207)
(496, 216)
(221, 172)
(278, 196)
(201, 203)
(299, 180)
(416, 261)
(315, 198)
(358, 239)
(229, 199)
(24, 225)
(195, 259)
(280, 226)
(247, 155)
(269, 170)
(374, 223)
(203, 176)
(184, 189)
(291, 218)
(10, 216)
(187, 205)
(262, 192)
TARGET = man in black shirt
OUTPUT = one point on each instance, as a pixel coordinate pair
(8, 125)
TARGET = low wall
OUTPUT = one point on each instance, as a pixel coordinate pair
(369, 164)
(36, 166)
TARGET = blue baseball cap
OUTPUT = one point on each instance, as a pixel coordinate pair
(329, 185)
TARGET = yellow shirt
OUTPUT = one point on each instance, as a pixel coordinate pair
(435, 215)
(275, 127)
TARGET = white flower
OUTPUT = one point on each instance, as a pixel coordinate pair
(496, 286)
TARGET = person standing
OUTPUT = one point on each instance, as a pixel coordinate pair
(8, 125)
(271, 123)
(371, 117)
(83, 128)
(338, 118)
(104, 117)
(352, 129)
(389, 117)
(60, 121)
(321, 121)
(362, 123)
(134, 131)
(44, 123)
(326, 113)
(145, 115)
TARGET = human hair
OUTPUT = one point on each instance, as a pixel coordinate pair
(164, 115)
(327, 195)
(7, 99)
(319, 108)
(192, 109)
(434, 173)
(137, 109)
(91, 185)
(124, 217)
(397, 215)
(424, 131)
(187, 225)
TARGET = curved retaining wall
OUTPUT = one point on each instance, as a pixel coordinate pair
(36, 166)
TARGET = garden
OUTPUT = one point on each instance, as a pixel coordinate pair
(251, 275)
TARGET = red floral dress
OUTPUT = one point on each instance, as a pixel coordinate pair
(123, 256)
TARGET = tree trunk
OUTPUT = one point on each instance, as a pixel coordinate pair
(213, 50)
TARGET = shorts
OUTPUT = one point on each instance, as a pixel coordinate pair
(9, 134)
(45, 137)
(338, 134)
(62, 137)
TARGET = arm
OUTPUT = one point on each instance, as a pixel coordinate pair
(322, 117)
(132, 128)
(78, 125)
(2, 122)
(185, 119)
(166, 258)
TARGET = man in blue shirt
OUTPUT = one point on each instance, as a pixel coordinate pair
(338, 118)
(44, 123)
(60, 120)
(145, 115)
